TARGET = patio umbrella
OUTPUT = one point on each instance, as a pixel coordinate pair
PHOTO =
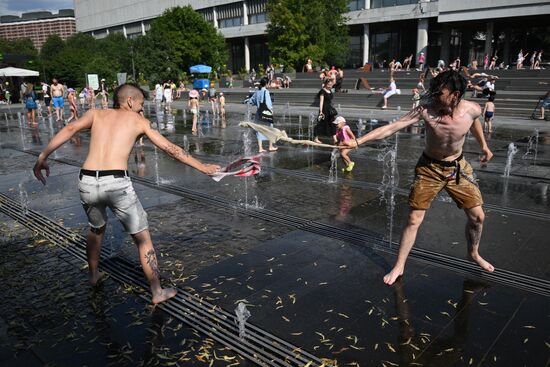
(200, 69)
(11, 71)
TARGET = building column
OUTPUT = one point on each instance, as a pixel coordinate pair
(246, 54)
(445, 44)
(215, 17)
(124, 31)
(422, 39)
(367, 4)
(366, 44)
(245, 13)
(142, 28)
(489, 39)
(506, 51)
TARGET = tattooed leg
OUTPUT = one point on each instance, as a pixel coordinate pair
(474, 228)
(149, 263)
(93, 248)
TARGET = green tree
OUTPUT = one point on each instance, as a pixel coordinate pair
(190, 39)
(21, 46)
(51, 48)
(302, 29)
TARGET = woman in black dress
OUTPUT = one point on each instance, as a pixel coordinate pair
(327, 112)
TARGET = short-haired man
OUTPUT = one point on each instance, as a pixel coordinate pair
(57, 98)
(104, 181)
(448, 118)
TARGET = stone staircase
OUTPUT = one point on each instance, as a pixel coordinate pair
(518, 91)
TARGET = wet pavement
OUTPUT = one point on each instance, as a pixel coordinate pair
(306, 255)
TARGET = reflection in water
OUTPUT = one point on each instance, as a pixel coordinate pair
(139, 159)
(345, 202)
(444, 349)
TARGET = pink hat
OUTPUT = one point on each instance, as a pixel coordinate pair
(193, 93)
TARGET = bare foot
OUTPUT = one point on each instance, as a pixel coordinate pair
(98, 278)
(165, 294)
(485, 265)
(261, 150)
(392, 276)
(317, 141)
(273, 149)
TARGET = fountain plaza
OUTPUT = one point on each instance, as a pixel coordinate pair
(280, 269)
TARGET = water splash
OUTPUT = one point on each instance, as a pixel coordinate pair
(186, 144)
(360, 127)
(532, 147)
(242, 315)
(333, 171)
(512, 150)
(24, 199)
(311, 125)
(388, 186)
(300, 130)
(157, 176)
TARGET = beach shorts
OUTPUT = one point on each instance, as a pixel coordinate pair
(47, 101)
(58, 102)
(489, 114)
(194, 111)
(456, 177)
(114, 191)
(546, 103)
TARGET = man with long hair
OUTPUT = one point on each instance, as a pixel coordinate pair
(448, 118)
(104, 180)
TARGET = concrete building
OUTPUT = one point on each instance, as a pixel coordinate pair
(379, 29)
(38, 26)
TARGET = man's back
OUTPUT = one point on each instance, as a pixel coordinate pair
(113, 134)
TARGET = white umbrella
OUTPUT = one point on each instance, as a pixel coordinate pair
(11, 71)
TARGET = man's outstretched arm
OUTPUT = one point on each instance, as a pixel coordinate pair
(477, 131)
(85, 122)
(385, 131)
(175, 151)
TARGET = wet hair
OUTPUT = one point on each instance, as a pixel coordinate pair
(263, 82)
(126, 90)
(448, 79)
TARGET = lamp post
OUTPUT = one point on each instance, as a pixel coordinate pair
(133, 66)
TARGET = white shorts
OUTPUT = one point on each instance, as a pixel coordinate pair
(390, 93)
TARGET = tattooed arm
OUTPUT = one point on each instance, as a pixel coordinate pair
(175, 151)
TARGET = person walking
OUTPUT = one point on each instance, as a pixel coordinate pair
(104, 181)
(327, 112)
(262, 100)
(30, 98)
(57, 99)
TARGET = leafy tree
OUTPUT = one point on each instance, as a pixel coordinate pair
(21, 46)
(302, 29)
(190, 39)
(51, 48)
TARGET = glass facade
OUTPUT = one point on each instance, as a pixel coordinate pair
(356, 5)
(230, 22)
(257, 18)
(386, 3)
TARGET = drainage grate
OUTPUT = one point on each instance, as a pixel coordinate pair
(258, 345)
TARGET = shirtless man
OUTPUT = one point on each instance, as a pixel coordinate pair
(448, 119)
(57, 99)
(104, 180)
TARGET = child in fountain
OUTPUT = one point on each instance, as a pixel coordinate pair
(72, 104)
(489, 112)
(221, 100)
(343, 136)
(193, 105)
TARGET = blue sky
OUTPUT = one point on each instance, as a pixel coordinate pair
(16, 7)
